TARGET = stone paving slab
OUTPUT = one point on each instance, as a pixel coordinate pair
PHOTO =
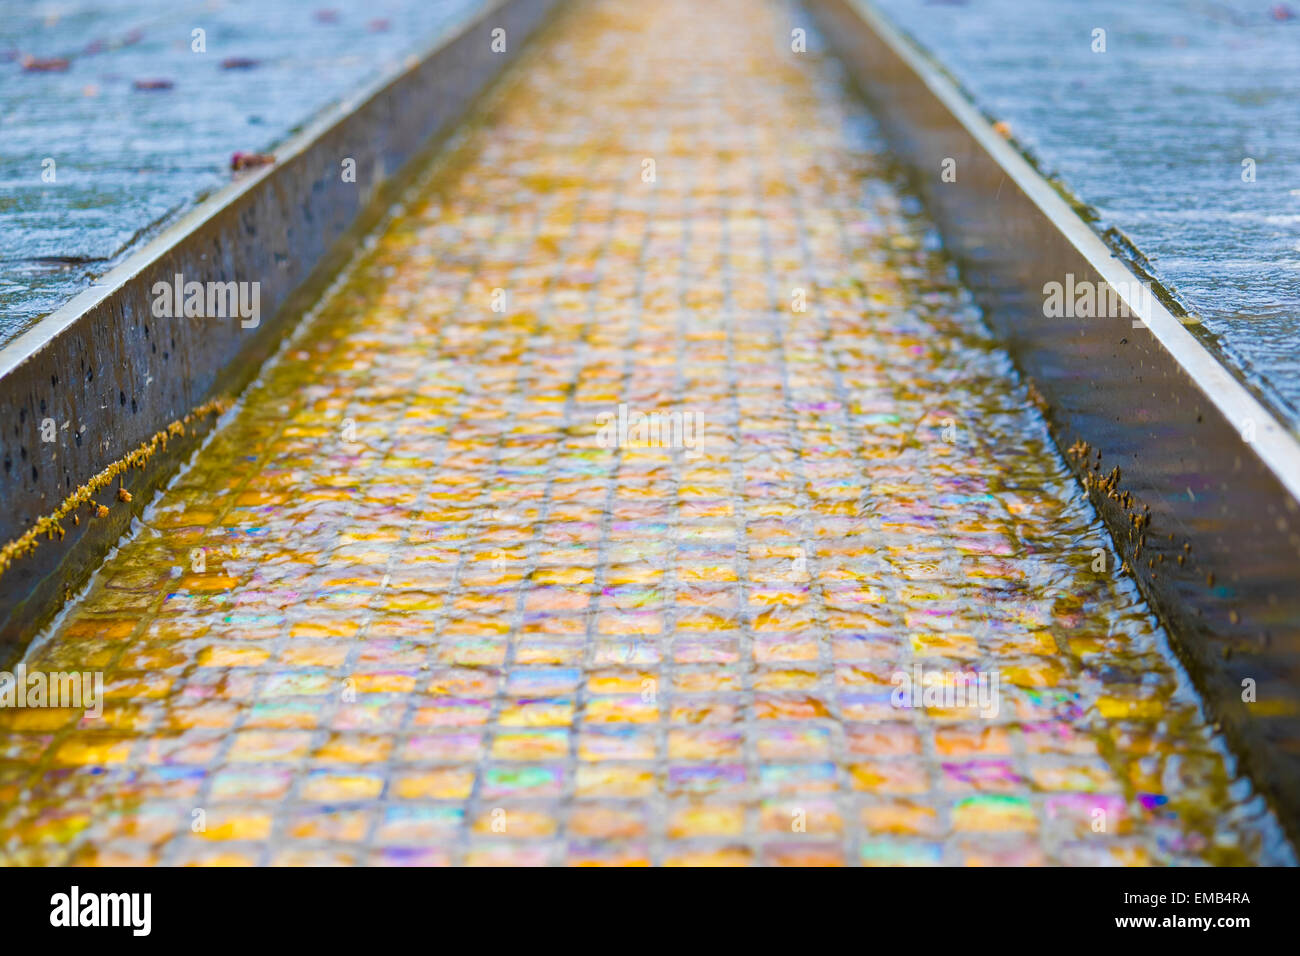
(1179, 123)
(127, 159)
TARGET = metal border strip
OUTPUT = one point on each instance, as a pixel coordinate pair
(117, 375)
(1197, 480)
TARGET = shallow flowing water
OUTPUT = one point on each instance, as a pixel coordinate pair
(428, 597)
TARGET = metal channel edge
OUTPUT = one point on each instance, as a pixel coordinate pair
(117, 375)
(1204, 509)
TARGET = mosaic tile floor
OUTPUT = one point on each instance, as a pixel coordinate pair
(421, 601)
